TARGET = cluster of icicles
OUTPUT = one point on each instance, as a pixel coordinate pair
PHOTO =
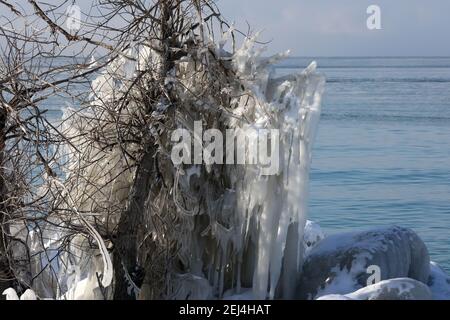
(272, 208)
(264, 244)
(261, 244)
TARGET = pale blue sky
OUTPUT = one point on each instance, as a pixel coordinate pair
(338, 27)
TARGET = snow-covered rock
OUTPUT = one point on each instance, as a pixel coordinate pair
(392, 289)
(439, 282)
(339, 263)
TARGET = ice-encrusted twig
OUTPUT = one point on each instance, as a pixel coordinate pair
(107, 263)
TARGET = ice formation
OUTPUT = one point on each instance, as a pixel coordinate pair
(258, 223)
(273, 208)
(253, 234)
(312, 236)
(11, 294)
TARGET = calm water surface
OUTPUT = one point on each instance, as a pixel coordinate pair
(382, 155)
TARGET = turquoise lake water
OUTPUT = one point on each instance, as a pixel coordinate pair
(382, 154)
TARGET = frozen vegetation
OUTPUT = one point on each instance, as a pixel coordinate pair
(121, 220)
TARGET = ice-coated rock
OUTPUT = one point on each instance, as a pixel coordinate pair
(392, 289)
(339, 263)
(439, 282)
